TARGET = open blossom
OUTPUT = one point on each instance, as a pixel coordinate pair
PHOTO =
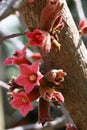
(21, 102)
(18, 57)
(29, 77)
(36, 38)
(41, 39)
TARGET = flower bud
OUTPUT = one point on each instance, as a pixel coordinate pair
(55, 76)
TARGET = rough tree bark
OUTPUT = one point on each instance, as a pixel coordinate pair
(72, 58)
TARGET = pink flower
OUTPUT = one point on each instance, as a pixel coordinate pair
(36, 38)
(29, 77)
(18, 57)
(31, 1)
(21, 102)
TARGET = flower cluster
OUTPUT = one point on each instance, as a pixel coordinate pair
(31, 84)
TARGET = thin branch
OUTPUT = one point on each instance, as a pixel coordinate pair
(11, 36)
(4, 85)
(9, 7)
(58, 124)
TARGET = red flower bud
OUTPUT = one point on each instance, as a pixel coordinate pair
(82, 23)
(50, 13)
(48, 93)
(55, 76)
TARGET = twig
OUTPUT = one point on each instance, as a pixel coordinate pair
(9, 7)
(57, 124)
(11, 36)
(4, 85)
(19, 45)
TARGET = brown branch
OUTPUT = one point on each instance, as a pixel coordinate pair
(58, 124)
(3, 38)
(9, 7)
(69, 58)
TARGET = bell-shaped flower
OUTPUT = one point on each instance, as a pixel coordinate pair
(19, 57)
(21, 102)
(40, 38)
(36, 38)
(29, 77)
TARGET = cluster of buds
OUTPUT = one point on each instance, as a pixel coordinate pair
(31, 84)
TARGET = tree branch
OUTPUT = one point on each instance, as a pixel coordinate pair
(72, 60)
(11, 36)
(9, 7)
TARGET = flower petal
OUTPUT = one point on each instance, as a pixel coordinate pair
(21, 80)
(28, 87)
(25, 69)
(25, 109)
(16, 104)
(9, 61)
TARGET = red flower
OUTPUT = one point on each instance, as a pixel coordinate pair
(21, 102)
(36, 38)
(18, 57)
(29, 77)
